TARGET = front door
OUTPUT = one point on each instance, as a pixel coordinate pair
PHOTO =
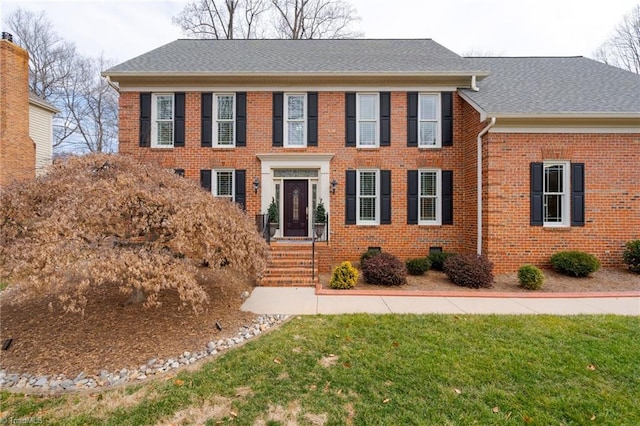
(296, 204)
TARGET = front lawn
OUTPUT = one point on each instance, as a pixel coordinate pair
(391, 369)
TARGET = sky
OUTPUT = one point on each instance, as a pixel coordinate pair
(124, 29)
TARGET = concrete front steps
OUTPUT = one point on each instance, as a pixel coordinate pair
(290, 265)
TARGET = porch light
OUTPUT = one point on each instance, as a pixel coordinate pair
(334, 185)
(256, 185)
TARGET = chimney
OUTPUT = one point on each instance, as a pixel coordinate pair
(7, 36)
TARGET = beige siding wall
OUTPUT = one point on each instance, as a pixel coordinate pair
(41, 131)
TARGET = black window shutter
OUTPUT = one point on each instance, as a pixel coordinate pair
(536, 181)
(446, 108)
(577, 194)
(350, 118)
(145, 119)
(412, 197)
(447, 197)
(385, 197)
(278, 105)
(241, 119)
(179, 115)
(241, 188)
(205, 179)
(206, 120)
(312, 119)
(412, 120)
(179, 172)
(350, 201)
(385, 119)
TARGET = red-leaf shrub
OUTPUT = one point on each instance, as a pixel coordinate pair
(384, 269)
(469, 270)
(107, 220)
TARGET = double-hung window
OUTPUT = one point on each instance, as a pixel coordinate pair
(368, 190)
(224, 123)
(429, 120)
(223, 184)
(429, 202)
(295, 119)
(162, 113)
(367, 113)
(556, 197)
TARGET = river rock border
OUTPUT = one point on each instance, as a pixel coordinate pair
(60, 383)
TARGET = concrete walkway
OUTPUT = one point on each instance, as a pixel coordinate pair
(305, 301)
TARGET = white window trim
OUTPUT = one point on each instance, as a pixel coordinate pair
(214, 183)
(376, 221)
(216, 121)
(154, 120)
(438, 121)
(438, 220)
(377, 120)
(286, 120)
(566, 199)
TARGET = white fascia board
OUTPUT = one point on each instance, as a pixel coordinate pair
(475, 105)
(290, 88)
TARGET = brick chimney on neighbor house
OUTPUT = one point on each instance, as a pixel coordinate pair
(17, 149)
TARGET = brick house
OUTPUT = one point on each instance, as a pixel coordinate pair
(410, 147)
(26, 120)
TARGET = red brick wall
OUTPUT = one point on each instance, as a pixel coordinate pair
(347, 241)
(17, 150)
(612, 181)
(612, 192)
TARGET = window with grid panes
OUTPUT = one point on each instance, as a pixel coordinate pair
(224, 119)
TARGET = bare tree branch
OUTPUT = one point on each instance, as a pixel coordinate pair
(289, 19)
(314, 19)
(623, 47)
(87, 120)
(220, 19)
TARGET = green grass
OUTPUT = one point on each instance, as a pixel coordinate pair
(3, 285)
(391, 370)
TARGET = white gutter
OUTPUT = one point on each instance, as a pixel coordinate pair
(479, 190)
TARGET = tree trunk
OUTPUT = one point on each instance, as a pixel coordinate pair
(137, 296)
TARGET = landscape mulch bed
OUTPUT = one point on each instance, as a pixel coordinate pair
(602, 281)
(111, 335)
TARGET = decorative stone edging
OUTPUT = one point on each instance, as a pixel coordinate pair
(60, 383)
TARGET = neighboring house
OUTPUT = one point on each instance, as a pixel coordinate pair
(410, 147)
(41, 131)
(26, 128)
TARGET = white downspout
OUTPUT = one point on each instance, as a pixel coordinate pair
(483, 132)
(112, 84)
(474, 86)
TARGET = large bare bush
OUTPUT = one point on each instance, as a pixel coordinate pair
(106, 220)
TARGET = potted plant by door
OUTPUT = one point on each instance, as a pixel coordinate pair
(273, 215)
(320, 216)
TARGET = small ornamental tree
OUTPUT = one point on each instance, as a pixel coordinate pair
(106, 220)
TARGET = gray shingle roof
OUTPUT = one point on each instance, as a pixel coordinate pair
(545, 85)
(423, 56)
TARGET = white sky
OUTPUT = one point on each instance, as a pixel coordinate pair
(123, 29)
